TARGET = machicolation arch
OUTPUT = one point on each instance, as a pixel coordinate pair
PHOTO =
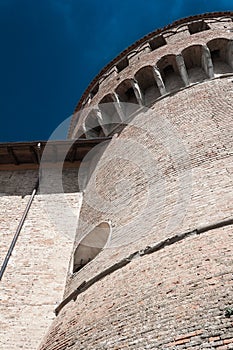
(196, 63)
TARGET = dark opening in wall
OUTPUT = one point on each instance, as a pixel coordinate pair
(221, 55)
(148, 86)
(168, 68)
(122, 64)
(109, 114)
(130, 94)
(126, 93)
(91, 245)
(193, 59)
(92, 127)
(197, 27)
(215, 54)
(94, 90)
(157, 42)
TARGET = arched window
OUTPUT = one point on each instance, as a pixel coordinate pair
(221, 54)
(109, 113)
(194, 63)
(170, 73)
(91, 245)
(148, 86)
(92, 126)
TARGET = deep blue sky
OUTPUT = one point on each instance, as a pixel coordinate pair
(51, 50)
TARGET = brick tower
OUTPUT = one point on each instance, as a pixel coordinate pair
(152, 261)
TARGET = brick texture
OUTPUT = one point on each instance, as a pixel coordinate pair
(33, 282)
(173, 299)
(167, 173)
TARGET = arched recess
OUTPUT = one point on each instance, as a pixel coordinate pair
(91, 245)
(128, 92)
(80, 133)
(222, 55)
(92, 126)
(194, 63)
(109, 113)
(168, 68)
(147, 84)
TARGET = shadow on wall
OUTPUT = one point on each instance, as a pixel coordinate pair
(22, 182)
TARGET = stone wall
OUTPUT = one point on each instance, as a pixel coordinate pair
(163, 181)
(33, 282)
(177, 175)
(173, 299)
(167, 173)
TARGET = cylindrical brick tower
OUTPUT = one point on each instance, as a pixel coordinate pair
(152, 265)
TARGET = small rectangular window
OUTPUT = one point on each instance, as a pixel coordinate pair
(157, 42)
(122, 64)
(197, 27)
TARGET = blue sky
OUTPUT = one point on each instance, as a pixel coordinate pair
(52, 49)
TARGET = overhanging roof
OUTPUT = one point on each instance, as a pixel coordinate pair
(18, 155)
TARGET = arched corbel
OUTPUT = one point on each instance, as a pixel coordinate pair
(159, 81)
(206, 62)
(182, 69)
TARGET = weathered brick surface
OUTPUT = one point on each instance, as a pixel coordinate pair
(204, 172)
(176, 43)
(168, 173)
(22, 182)
(34, 280)
(173, 299)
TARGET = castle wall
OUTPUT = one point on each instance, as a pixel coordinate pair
(190, 169)
(172, 299)
(171, 179)
(33, 282)
(163, 187)
(175, 41)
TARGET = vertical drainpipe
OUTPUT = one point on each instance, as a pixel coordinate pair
(17, 233)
